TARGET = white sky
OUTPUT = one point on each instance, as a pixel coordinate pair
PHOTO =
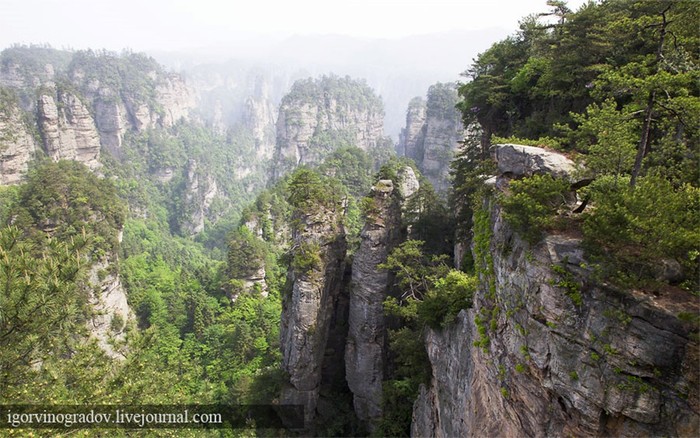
(175, 24)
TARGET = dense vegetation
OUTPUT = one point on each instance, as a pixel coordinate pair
(614, 85)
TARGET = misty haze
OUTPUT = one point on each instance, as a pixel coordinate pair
(361, 218)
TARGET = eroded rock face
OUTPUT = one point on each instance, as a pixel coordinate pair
(317, 117)
(413, 135)
(565, 355)
(516, 161)
(433, 133)
(365, 350)
(309, 308)
(111, 309)
(17, 145)
(259, 118)
(68, 129)
(200, 191)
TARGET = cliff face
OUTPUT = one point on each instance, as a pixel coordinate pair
(432, 134)
(412, 136)
(68, 129)
(111, 310)
(315, 280)
(85, 102)
(317, 117)
(17, 144)
(200, 191)
(366, 342)
(559, 353)
(259, 118)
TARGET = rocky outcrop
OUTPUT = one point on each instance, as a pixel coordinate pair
(17, 144)
(412, 137)
(68, 129)
(315, 283)
(200, 191)
(259, 118)
(86, 102)
(433, 134)
(366, 344)
(111, 312)
(317, 117)
(515, 160)
(547, 350)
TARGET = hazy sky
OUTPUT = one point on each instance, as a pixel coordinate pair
(173, 24)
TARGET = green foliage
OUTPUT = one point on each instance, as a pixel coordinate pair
(415, 271)
(65, 199)
(308, 190)
(306, 258)
(568, 282)
(246, 253)
(449, 295)
(42, 307)
(607, 136)
(352, 166)
(630, 230)
(532, 204)
(429, 220)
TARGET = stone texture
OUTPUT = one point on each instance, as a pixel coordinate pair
(433, 134)
(617, 363)
(17, 146)
(308, 309)
(200, 191)
(366, 343)
(311, 124)
(517, 161)
(412, 136)
(109, 303)
(259, 118)
(68, 129)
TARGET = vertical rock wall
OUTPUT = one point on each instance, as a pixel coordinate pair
(433, 133)
(17, 144)
(309, 307)
(558, 353)
(365, 350)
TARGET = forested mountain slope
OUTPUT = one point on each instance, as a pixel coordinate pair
(158, 246)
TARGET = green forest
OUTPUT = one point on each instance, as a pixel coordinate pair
(614, 86)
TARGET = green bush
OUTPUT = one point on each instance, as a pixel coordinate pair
(636, 227)
(306, 257)
(532, 204)
(448, 296)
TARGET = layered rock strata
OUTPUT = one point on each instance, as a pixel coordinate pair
(547, 350)
(365, 351)
(315, 282)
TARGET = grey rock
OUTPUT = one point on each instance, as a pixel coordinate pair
(517, 161)
(69, 132)
(614, 364)
(308, 310)
(433, 134)
(17, 146)
(365, 350)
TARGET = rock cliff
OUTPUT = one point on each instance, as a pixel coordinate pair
(412, 137)
(17, 142)
(315, 283)
(432, 134)
(547, 350)
(259, 118)
(85, 102)
(319, 116)
(366, 347)
(68, 129)
(111, 312)
(200, 191)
